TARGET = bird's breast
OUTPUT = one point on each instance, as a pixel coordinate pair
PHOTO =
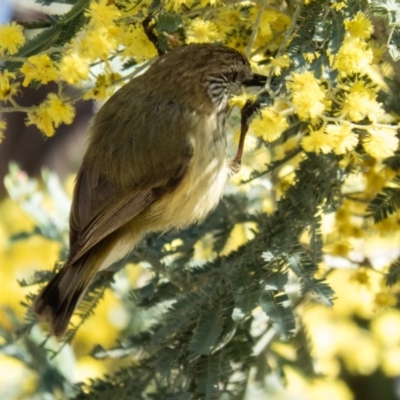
(202, 186)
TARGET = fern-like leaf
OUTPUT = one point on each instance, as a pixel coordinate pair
(279, 311)
(393, 275)
(386, 202)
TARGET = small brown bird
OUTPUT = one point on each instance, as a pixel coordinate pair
(156, 160)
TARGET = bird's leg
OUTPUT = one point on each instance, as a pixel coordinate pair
(247, 111)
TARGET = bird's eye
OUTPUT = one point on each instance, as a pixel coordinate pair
(232, 76)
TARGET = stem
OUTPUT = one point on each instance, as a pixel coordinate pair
(257, 24)
(290, 30)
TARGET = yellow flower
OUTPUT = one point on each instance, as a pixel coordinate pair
(228, 19)
(317, 141)
(354, 57)
(338, 5)
(281, 21)
(384, 300)
(269, 124)
(103, 87)
(73, 69)
(381, 142)
(265, 29)
(7, 88)
(97, 43)
(271, 21)
(359, 27)
(40, 117)
(360, 102)
(202, 31)
(241, 100)
(40, 68)
(343, 139)
(307, 95)
(3, 127)
(50, 114)
(102, 13)
(379, 52)
(362, 277)
(176, 5)
(11, 38)
(60, 111)
(310, 57)
(276, 65)
(236, 41)
(137, 44)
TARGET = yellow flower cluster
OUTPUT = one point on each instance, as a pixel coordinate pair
(359, 27)
(240, 100)
(342, 138)
(276, 65)
(355, 55)
(338, 138)
(104, 87)
(202, 31)
(50, 114)
(355, 101)
(11, 38)
(272, 21)
(106, 32)
(40, 68)
(73, 69)
(317, 141)
(359, 102)
(380, 143)
(269, 124)
(102, 13)
(8, 87)
(98, 38)
(339, 5)
(136, 43)
(308, 97)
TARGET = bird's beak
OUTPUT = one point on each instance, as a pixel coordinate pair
(255, 80)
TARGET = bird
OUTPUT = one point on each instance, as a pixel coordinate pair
(156, 160)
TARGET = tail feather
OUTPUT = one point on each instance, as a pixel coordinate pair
(58, 300)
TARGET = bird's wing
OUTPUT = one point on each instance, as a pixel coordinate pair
(148, 154)
(99, 210)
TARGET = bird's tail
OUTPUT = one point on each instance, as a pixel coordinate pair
(58, 300)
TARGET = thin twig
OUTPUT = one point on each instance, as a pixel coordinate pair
(257, 24)
(13, 109)
(290, 30)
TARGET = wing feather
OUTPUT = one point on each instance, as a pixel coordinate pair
(98, 211)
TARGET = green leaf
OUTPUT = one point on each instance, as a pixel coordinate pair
(393, 275)
(385, 203)
(279, 312)
(393, 162)
(247, 299)
(320, 288)
(208, 329)
(63, 30)
(169, 22)
(181, 396)
(300, 262)
(208, 369)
